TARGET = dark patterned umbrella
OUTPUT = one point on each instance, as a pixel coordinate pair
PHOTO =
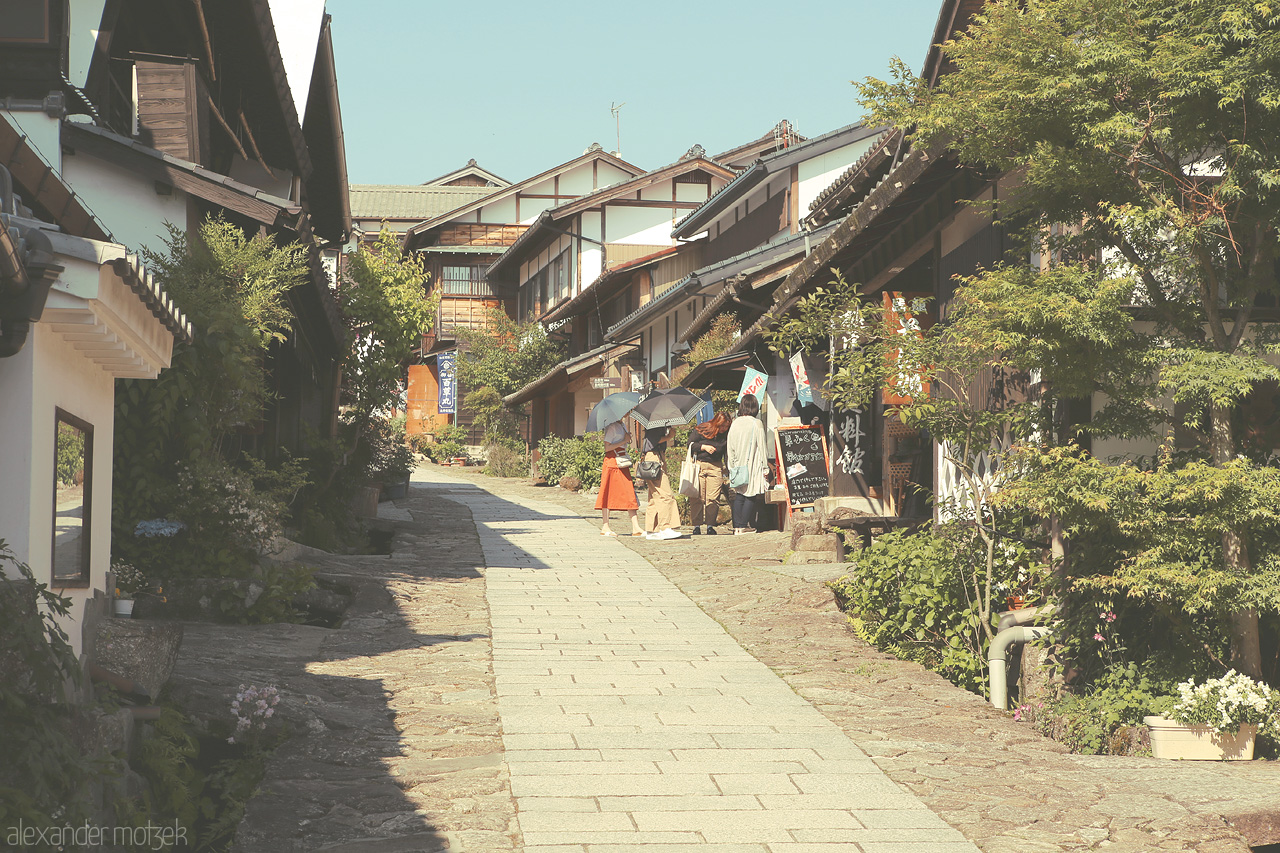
(611, 409)
(667, 408)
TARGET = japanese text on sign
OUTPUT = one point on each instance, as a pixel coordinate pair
(448, 383)
(753, 383)
(848, 425)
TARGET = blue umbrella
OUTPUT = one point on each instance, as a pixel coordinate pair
(611, 410)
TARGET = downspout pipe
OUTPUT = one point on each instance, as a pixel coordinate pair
(998, 656)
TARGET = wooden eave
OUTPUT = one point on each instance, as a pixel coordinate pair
(873, 211)
(955, 16)
(637, 184)
(284, 95)
(155, 165)
(857, 181)
(44, 190)
(327, 193)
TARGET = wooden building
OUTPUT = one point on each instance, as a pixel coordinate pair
(617, 238)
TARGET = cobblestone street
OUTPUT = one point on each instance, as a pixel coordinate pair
(623, 694)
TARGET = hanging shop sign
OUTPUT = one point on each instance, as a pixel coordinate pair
(905, 315)
(753, 383)
(804, 390)
(446, 366)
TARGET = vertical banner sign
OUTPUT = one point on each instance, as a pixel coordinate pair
(448, 383)
(804, 391)
(753, 383)
(905, 314)
(855, 457)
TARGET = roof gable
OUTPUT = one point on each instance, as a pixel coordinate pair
(459, 177)
(413, 239)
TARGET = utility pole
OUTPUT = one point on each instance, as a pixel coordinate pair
(617, 121)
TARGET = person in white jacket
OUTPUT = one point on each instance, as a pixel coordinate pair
(748, 464)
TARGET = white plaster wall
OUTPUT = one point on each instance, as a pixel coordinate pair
(609, 175)
(592, 257)
(16, 418)
(86, 18)
(532, 208)
(817, 173)
(646, 226)
(583, 400)
(503, 210)
(44, 134)
(129, 206)
(693, 192)
(577, 181)
(64, 378)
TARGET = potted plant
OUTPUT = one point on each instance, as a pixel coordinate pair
(1214, 721)
(129, 582)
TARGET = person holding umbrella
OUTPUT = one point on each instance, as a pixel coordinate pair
(661, 515)
(617, 489)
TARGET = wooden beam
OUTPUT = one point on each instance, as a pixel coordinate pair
(208, 47)
(253, 143)
(648, 202)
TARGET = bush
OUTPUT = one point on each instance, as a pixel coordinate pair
(1090, 723)
(578, 457)
(911, 594)
(504, 462)
(442, 444)
(44, 777)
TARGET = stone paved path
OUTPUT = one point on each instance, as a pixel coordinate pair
(630, 718)
(508, 680)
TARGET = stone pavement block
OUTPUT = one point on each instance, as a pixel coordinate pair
(546, 768)
(545, 740)
(899, 819)
(690, 802)
(742, 822)
(745, 783)
(558, 804)
(919, 847)
(702, 847)
(604, 785)
(561, 821)
(731, 764)
(648, 840)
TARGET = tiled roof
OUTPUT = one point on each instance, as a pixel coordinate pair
(389, 201)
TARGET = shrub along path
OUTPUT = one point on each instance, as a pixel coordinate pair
(405, 741)
(1003, 786)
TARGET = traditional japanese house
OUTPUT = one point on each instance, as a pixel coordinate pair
(903, 228)
(118, 118)
(574, 247)
(461, 243)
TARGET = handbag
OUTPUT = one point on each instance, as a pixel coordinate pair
(621, 459)
(649, 469)
(689, 476)
(738, 476)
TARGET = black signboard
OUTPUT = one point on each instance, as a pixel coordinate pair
(855, 451)
(802, 459)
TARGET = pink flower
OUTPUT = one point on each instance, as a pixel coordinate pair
(1099, 638)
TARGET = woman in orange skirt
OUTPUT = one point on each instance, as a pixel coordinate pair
(617, 489)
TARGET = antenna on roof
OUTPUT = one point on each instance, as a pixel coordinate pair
(617, 120)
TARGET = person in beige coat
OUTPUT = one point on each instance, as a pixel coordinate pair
(661, 515)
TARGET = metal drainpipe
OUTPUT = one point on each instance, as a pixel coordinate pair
(998, 654)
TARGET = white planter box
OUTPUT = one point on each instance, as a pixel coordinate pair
(1199, 743)
(124, 607)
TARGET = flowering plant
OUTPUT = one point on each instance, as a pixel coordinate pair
(129, 581)
(1224, 704)
(252, 707)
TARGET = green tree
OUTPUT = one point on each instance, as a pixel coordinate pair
(497, 359)
(505, 354)
(1143, 135)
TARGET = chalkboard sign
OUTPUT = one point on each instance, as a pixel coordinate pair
(802, 459)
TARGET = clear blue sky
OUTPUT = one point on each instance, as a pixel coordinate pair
(521, 86)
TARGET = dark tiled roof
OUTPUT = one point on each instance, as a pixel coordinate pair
(846, 186)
